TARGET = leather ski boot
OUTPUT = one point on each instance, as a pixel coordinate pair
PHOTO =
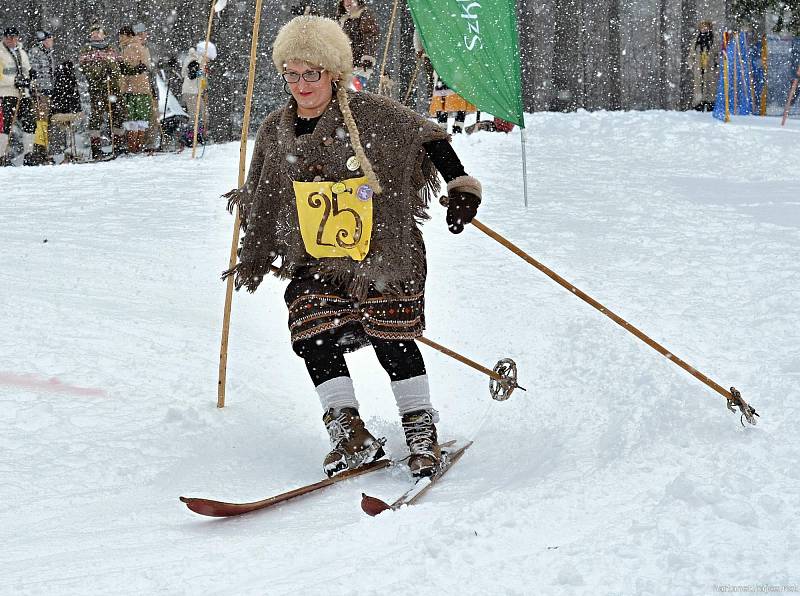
(352, 445)
(422, 442)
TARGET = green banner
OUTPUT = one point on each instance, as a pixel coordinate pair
(474, 48)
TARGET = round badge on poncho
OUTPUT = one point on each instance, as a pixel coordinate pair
(338, 188)
(364, 192)
(353, 163)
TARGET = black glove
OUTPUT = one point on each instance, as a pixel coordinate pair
(21, 82)
(461, 208)
(127, 70)
(193, 68)
(141, 68)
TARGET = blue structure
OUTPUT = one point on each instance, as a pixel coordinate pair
(735, 87)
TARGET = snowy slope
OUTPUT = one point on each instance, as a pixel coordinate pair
(617, 473)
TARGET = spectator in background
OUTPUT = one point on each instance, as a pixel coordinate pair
(65, 108)
(359, 24)
(194, 72)
(443, 99)
(305, 8)
(151, 134)
(15, 93)
(100, 65)
(43, 64)
(135, 86)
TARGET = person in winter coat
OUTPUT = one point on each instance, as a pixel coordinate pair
(43, 64)
(99, 63)
(444, 100)
(338, 184)
(152, 133)
(15, 93)
(705, 67)
(194, 72)
(65, 109)
(305, 8)
(135, 85)
(360, 25)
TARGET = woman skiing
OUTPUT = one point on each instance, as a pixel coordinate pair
(337, 186)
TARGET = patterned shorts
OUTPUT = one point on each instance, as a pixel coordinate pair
(320, 308)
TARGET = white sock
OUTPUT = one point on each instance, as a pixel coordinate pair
(337, 393)
(27, 143)
(412, 394)
(3, 144)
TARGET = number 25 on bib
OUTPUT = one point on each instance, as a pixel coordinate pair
(335, 218)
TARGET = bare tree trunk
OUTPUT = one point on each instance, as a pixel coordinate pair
(688, 29)
(614, 50)
(663, 56)
(566, 57)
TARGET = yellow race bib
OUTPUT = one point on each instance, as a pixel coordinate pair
(335, 217)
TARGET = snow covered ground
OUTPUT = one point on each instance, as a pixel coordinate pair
(616, 473)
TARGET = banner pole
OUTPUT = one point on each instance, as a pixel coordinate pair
(524, 168)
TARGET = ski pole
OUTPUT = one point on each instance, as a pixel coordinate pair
(503, 376)
(166, 102)
(413, 81)
(226, 317)
(733, 396)
(110, 115)
(383, 87)
(790, 98)
(203, 63)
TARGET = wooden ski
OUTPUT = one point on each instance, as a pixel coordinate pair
(374, 506)
(222, 509)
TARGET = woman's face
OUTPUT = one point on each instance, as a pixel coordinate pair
(312, 96)
(350, 4)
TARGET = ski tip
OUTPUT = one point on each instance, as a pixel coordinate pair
(203, 507)
(372, 506)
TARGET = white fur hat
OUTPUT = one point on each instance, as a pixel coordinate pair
(315, 40)
(200, 48)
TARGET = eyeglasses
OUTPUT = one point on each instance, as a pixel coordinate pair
(310, 76)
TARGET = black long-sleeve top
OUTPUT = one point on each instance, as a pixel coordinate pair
(441, 153)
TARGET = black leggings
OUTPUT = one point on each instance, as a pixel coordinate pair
(441, 117)
(401, 359)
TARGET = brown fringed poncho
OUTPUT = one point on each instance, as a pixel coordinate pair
(392, 136)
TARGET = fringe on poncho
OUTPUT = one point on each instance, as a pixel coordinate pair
(393, 138)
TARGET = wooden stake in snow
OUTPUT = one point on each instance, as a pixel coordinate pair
(384, 84)
(226, 318)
